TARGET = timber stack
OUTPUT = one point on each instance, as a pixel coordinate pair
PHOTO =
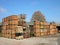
(53, 29)
(44, 28)
(8, 26)
(13, 27)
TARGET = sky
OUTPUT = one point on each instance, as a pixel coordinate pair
(49, 8)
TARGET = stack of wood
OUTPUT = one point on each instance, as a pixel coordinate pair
(44, 28)
(22, 22)
(53, 29)
(19, 32)
(9, 24)
(14, 27)
(37, 29)
(26, 34)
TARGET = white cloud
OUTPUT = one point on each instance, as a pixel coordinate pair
(3, 10)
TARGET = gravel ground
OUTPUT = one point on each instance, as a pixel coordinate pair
(30, 41)
(54, 40)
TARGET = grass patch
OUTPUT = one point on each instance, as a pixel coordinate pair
(0, 34)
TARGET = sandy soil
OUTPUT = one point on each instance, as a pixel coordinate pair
(30, 41)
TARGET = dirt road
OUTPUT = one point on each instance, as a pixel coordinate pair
(29, 41)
